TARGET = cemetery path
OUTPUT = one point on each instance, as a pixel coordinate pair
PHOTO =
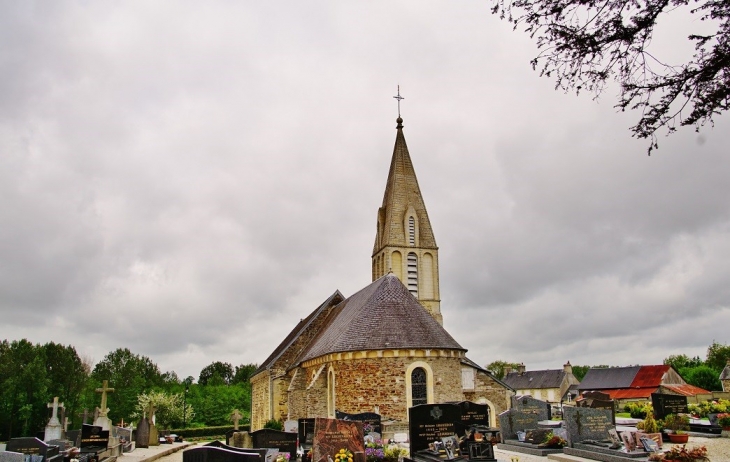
(165, 452)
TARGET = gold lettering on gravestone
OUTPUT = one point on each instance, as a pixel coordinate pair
(597, 423)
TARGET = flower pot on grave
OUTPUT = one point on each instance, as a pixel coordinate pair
(678, 438)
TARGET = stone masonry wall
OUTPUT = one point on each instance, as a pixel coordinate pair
(260, 400)
(488, 389)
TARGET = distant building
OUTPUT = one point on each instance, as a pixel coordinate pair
(383, 349)
(637, 383)
(725, 377)
(552, 385)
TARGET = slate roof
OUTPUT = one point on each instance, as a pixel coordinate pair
(336, 297)
(383, 315)
(551, 378)
(607, 378)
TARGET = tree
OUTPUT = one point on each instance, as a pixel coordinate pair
(679, 362)
(584, 43)
(717, 356)
(168, 408)
(703, 377)
(217, 372)
(497, 368)
(244, 373)
(130, 375)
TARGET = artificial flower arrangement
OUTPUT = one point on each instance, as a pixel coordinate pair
(343, 456)
(553, 441)
(682, 454)
(723, 419)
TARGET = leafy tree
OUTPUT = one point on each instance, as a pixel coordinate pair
(703, 377)
(580, 371)
(217, 372)
(717, 356)
(497, 368)
(130, 375)
(244, 373)
(23, 389)
(584, 43)
(170, 378)
(679, 362)
(67, 375)
(168, 408)
(214, 403)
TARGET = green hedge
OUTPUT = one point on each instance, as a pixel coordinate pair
(207, 431)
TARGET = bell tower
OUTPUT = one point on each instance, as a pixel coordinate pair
(404, 242)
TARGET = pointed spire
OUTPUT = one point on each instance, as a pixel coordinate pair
(402, 194)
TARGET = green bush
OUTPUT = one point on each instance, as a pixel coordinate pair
(202, 432)
(274, 424)
(639, 410)
(709, 407)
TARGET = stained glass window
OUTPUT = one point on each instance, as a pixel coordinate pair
(418, 387)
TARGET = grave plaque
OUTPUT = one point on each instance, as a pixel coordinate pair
(370, 420)
(34, 447)
(584, 423)
(283, 441)
(528, 404)
(537, 436)
(473, 414)
(513, 421)
(331, 435)
(668, 404)
(431, 422)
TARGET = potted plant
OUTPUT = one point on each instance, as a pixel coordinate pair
(682, 454)
(679, 425)
(723, 420)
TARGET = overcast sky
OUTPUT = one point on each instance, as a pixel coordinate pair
(189, 179)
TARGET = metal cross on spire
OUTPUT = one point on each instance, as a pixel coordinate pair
(398, 97)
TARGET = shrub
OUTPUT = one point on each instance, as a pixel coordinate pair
(639, 410)
(274, 424)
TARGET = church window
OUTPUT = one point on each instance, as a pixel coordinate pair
(418, 387)
(413, 274)
(331, 393)
(411, 231)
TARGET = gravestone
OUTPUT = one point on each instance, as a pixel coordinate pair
(528, 404)
(102, 420)
(94, 439)
(236, 417)
(154, 434)
(512, 421)
(142, 435)
(74, 436)
(291, 426)
(332, 435)
(220, 454)
(242, 440)
(34, 447)
(283, 441)
(125, 438)
(54, 430)
(306, 433)
(6, 456)
(668, 404)
(584, 423)
(428, 423)
(370, 420)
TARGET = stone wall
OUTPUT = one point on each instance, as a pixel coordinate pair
(260, 400)
(489, 391)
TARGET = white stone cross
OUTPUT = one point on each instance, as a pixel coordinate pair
(236, 417)
(54, 417)
(65, 424)
(103, 390)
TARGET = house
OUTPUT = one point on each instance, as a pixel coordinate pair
(637, 383)
(552, 385)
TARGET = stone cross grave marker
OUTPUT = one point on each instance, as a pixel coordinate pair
(53, 429)
(236, 417)
(84, 416)
(103, 410)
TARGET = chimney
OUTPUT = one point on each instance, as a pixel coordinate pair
(567, 368)
(521, 368)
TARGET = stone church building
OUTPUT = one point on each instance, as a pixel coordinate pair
(384, 348)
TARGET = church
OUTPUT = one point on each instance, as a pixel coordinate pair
(384, 348)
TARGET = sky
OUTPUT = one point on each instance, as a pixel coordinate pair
(190, 179)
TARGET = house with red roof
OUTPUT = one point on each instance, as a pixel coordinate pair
(637, 383)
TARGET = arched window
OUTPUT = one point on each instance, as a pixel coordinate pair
(413, 274)
(331, 393)
(419, 388)
(411, 231)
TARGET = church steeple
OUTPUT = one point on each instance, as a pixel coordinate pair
(404, 243)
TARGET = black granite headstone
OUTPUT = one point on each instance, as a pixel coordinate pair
(268, 438)
(34, 446)
(668, 404)
(306, 433)
(93, 439)
(430, 422)
(219, 454)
